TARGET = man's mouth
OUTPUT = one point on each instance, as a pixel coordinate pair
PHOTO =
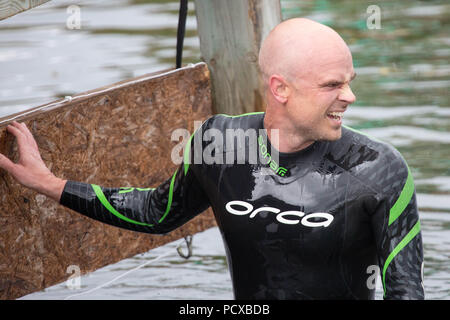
(335, 116)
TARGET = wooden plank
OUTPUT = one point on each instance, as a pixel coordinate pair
(119, 135)
(230, 34)
(8, 8)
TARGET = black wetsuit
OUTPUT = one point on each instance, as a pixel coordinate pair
(313, 224)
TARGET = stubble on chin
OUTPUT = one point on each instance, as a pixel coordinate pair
(336, 135)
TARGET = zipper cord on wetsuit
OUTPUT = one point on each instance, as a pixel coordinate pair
(181, 31)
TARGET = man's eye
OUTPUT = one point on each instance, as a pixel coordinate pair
(333, 84)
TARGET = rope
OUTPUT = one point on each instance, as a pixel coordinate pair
(181, 31)
(188, 240)
(168, 253)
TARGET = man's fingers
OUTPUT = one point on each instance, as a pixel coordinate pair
(17, 132)
(26, 145)
(17, 125)
(6, 164)
(28, 134)
(22, 127)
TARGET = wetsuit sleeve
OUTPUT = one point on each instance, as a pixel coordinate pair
(396, 227)
(150, 210)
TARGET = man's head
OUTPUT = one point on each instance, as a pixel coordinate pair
(306, 69)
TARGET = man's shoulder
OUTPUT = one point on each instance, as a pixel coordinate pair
(244, 121)
(357, 137)
(359, 142)
(377, 163)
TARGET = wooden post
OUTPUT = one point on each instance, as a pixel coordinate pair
(9, 8)
(231, 33)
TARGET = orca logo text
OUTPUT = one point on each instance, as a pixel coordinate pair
(242, 208)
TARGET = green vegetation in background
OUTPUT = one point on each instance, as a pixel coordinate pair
(403, 42)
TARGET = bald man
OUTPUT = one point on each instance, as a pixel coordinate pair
(306, 69)
(307, 208)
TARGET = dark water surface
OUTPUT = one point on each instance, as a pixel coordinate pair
(402, 89)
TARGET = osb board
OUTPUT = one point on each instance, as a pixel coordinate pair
(114, 136)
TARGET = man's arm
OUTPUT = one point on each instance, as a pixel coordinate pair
(151, 210)
(396, 227)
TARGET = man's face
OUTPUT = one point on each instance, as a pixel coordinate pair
(320, 95)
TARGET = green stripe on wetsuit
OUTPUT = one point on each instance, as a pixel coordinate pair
(403, 200)
(101, 196)
(411, 234)
(169, 201)
(395, 212)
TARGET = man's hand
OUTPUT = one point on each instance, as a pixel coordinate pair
(30, 170)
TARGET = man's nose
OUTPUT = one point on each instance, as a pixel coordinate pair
(347, 95)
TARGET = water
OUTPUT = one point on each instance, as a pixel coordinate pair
(402, 89)
(42, 60)
(202, 276)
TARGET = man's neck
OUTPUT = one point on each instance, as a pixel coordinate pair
(278, 130)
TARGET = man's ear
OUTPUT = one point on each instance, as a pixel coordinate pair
(279, 88)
